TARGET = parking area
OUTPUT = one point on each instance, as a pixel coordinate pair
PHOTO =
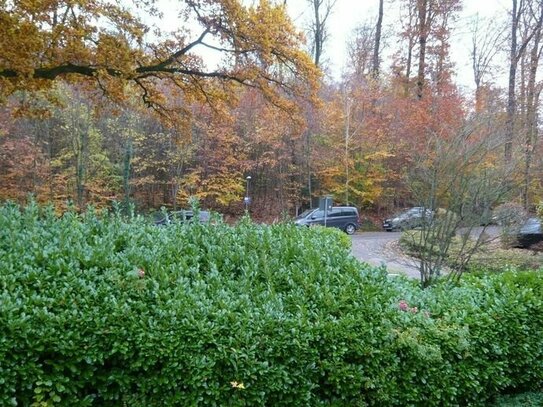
(377, 248)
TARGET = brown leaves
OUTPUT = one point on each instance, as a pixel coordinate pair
(23, 169)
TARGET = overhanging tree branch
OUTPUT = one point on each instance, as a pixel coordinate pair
(180, 53)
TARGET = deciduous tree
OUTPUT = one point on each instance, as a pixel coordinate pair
(462, 175)
(110, 45)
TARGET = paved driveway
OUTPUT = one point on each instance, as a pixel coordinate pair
(377, 248)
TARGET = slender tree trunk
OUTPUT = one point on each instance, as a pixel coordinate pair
(532, 97)
(318, 32)
(377, 45)
(440, 70)
(127, 170)
(347, 136)
(408, 66)
(81, 168)
(49, 160)
(175, 190)
(423, 36)
(321, 12)
(309, 170)
(412, 38)
(511, 100)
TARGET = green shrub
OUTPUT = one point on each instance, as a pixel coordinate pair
(487, 259)
(413, 242)
(498, 260)
(102, 311)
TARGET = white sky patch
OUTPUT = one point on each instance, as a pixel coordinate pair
(172, 20)
(346, 16)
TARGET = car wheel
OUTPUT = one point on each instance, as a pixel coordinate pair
(350, 229)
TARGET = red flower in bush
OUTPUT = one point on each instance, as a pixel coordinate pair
(404, 306)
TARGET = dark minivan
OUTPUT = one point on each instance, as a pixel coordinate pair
(342, 217)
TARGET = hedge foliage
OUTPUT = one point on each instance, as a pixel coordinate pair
(101, 311)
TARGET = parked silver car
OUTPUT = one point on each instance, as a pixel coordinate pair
(412, 218)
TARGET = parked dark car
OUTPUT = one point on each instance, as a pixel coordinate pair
(530, 233)
(342, 217)
(411, 218)
(180, 216)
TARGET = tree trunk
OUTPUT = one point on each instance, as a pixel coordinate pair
(511, 100)
(408, 66)
(319, 35)
(347, 136)
(423, 36)
(81, 158)
(309, 170)
(531, 110)
(127, 170)
(377, 45)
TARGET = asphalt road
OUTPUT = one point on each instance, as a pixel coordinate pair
(378, 248)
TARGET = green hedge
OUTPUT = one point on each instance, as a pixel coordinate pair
(101, 311)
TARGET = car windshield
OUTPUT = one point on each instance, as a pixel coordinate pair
(305, 213)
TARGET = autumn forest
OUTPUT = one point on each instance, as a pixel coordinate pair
(99, 103)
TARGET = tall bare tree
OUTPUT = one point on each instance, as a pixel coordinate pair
(455, 173)
(318, 29)
(486, 36)
(377, 43)
(425, 17)
(318, 35)
(533, 91)
(426, 28)
(360, 48)
(516, 52)
(409, 33)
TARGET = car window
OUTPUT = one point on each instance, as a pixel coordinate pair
(417, 212)
(334, 213)
(317, 214)
(349, 212)
(305, 213)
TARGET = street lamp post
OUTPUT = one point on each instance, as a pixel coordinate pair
(247, 199)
